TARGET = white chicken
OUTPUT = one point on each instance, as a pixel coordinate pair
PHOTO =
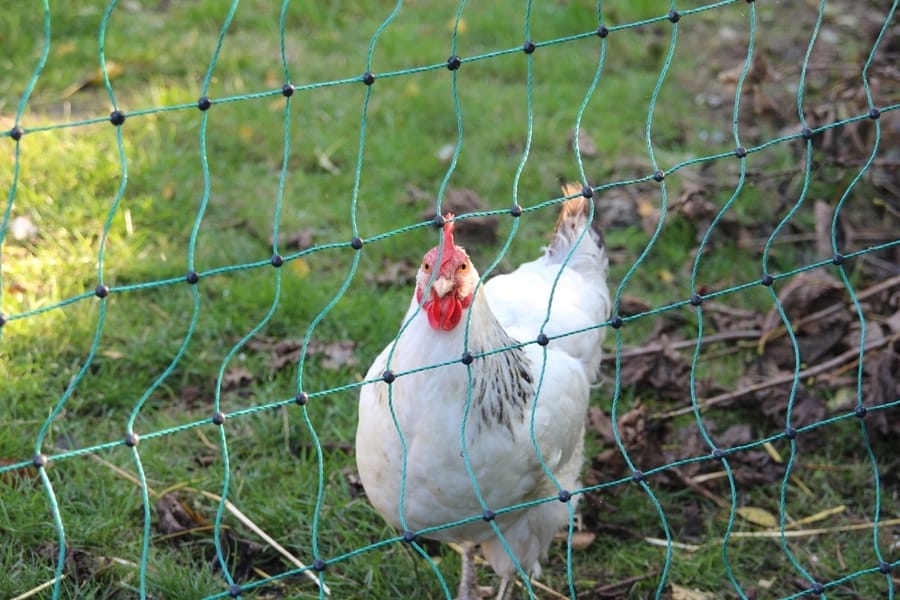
(506, 371)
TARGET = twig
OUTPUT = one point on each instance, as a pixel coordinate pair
(810, 532)
(836, 307)
(40, 588)
(688, 481)
(231, 508)
(265, 536)
(666, 543)
(804, 374)
(610, 588)
(725, 336)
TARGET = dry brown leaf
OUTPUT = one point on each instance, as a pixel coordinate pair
(332, 354)
(393, 272)
(175, 516)
(586, 144)
(475, 230)
(21, 473)
(236, 378)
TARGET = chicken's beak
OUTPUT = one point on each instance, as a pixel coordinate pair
(441, 286)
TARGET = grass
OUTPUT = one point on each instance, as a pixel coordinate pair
(68, 187)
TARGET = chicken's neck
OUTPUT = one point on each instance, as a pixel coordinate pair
(502, 379)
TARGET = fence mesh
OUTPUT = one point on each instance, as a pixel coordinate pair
(803, 131)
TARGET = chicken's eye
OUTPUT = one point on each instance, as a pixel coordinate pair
(426, 267)
(463, 266)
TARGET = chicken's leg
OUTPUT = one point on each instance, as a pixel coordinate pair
(468, 582)
(501, 591)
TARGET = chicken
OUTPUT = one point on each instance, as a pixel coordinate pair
(437, 445)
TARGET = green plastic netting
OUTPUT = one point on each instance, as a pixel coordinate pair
(736, 151)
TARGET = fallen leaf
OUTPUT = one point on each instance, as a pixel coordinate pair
(683, 593)
(174, 516)
(299, 267)
(758, 516)
(475, 230)
(332, 354)
(236, 378)
(393, 272)
(581, 540)
(94, 78)
(586, 145)
(20, 474)
(296, 240)
(804, 295)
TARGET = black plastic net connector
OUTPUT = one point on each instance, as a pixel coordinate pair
(637, 476)
(790, 433)
(467, 358)
(587, 192)
(287, 90)
(564, 496)
(602, 31)
(234, 590)
(740, 152)
(860, 411)
(131, 439)
(718, 453)
(16, 133)
(409, 536)
(319, 565)
(388, 376)
(515, 210)
(438, 222)
(884, 567)
(874, 113)
(204, 103)
(767, 280)
(528, 47)
(356, 243)
(117, 117)
(818, 589)
(39, 461)
(616, 322)
(837, 259)
(807, 133)
(301, 398)
(218, 418)
(696, 300)
(542, 339)
(674, 16)
(192, 277)
(101, 291)
(454, 62)
(277, 260)
(658, 176)
(368, 78)
(488, 515)
(2, 319)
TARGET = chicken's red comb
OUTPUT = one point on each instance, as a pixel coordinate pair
(448, 244)
(449, 227)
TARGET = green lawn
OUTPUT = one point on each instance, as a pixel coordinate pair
(208, 192)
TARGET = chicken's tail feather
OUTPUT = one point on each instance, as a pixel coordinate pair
(573, 218)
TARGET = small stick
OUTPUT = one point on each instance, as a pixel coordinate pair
(39, 589)
(725, 336)
(265, 536)
(810, 532)
(804, 374)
